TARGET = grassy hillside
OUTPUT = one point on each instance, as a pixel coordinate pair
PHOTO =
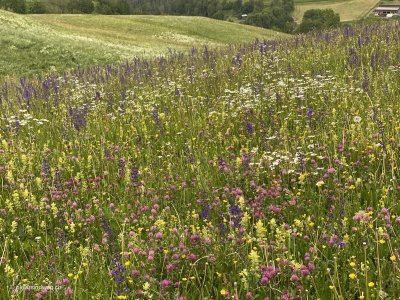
(34, 43)
(349, 10)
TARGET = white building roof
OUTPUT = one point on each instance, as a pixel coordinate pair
(388, 8)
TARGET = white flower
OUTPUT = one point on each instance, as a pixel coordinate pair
(357, 119)
(320, 183)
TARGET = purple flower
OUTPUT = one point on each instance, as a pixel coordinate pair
(165, 283)
(264, 280)
(192, 257)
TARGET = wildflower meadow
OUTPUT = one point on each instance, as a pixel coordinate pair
(259, 171)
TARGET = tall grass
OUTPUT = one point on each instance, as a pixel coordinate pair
(268, 171)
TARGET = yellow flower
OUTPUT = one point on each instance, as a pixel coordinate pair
(260, 229)
(121, 297)
(127, 263)
(352, 276)
(352, 264)
(393, 258)
(25, 193)
(10, 271)
(254, 259)
(371, 284)
(224, 292)
(382, 241)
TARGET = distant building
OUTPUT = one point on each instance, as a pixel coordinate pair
(387, 10)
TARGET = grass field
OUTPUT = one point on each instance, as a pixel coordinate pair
(35, 43)
(265, 171)
(349, 10)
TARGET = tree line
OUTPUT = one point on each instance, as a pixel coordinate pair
(274, 14)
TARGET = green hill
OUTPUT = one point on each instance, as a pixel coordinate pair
(36, 43)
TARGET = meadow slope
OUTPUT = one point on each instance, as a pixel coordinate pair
(35, 43)
(265, 171)
(349, 10)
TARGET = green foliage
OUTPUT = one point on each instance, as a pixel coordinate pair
(319, 19)
(278, 16)
(81, 6)
(219, 15)
(37, 7)
(56, 6)
(17, 6)
(261, 19)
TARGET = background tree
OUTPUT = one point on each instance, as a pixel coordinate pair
(56, 6)
(83, 6)
(37, 7)
(319, 19)
(17, 6)
(277, 15)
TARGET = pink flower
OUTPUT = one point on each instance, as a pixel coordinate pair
(331, 170)
(294, 278)
(68, 292)
(38, 296)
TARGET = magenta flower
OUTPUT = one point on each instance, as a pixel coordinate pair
(294, 278)
(165, 283)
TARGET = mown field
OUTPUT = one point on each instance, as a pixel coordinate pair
(266, 171)
(349, 10)
(43, 43)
